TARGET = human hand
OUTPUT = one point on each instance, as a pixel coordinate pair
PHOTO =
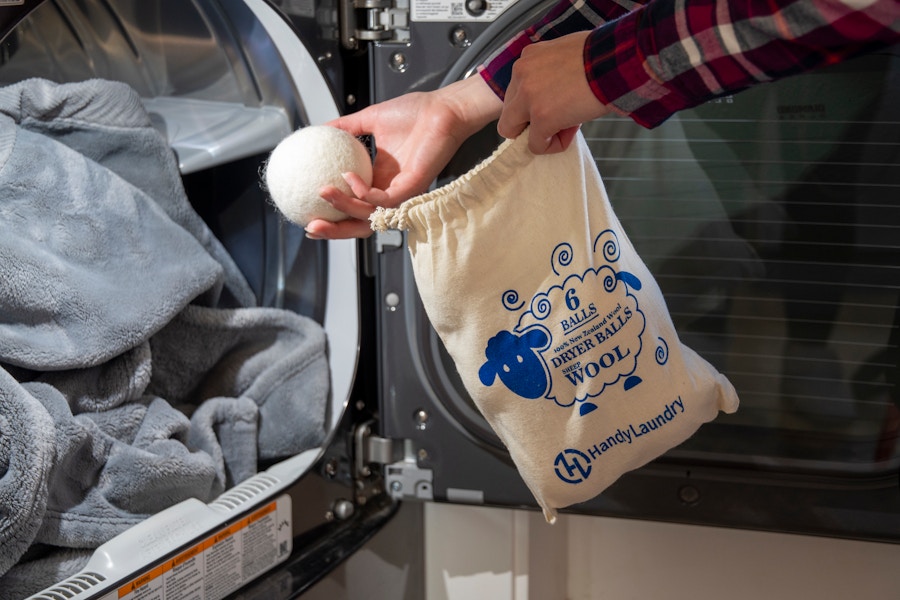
(549, 91)
(415, 135)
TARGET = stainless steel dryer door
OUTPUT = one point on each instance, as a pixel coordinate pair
(770, 220)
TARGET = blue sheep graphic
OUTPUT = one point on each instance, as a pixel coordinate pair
(514, 360)
(517, 361)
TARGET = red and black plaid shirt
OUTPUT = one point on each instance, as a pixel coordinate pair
(651, 58)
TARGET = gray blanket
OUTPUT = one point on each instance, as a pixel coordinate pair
(135, 371)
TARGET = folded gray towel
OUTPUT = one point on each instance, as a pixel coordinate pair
(27, 455)
(134, 370)
(115, 468)
(265, 355)
(226, 428)
(105, 122)
(96, 187)
(89, 265)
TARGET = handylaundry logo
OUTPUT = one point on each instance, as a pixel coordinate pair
(572, 466)
(575, 338)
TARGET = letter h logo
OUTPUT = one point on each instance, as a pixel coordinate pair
(572, 466)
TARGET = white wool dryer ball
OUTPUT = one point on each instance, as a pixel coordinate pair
(307, 160)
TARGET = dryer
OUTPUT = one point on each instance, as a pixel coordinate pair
(798, 305)
(767, 219)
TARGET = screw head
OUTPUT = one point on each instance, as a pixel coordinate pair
(689, 495)
(399, 62)
(343, 509)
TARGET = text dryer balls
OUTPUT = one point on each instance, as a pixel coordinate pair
(306, 161)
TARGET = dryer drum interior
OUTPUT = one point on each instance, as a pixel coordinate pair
(212, 80)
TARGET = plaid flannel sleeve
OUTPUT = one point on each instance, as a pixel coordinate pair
(667, 56)
(567, 16)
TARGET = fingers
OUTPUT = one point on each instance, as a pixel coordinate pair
(540, 141)
(557, 142)
(549, 93)
(353, 123)
(318, 229)
(516, 113)
(521, 110)
(519, 104)
(366, 195)
(511, 124)
(357, 208)
(361, 204)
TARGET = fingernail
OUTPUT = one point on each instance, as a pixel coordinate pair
(312, 236)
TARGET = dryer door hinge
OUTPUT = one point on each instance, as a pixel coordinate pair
(374, 21)
(403, 478)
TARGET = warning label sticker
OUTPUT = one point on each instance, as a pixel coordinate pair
(221, 563)
(458, 10)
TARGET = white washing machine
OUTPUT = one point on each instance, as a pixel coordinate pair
(769, 219)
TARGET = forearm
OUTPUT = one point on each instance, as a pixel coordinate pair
(473, 102)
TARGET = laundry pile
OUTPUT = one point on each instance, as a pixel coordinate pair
(135, 369)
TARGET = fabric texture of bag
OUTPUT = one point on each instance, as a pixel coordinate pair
(558, 330)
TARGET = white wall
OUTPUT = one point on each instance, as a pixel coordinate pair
(474, 553)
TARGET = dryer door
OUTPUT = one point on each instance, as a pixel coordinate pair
(769, 219)
(223, 81)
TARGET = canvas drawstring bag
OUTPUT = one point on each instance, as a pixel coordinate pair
(559, 332)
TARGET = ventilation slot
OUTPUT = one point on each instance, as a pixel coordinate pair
(246, 492)
(71, 587)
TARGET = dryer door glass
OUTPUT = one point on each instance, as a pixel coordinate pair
(771, 223)
(768, 219)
